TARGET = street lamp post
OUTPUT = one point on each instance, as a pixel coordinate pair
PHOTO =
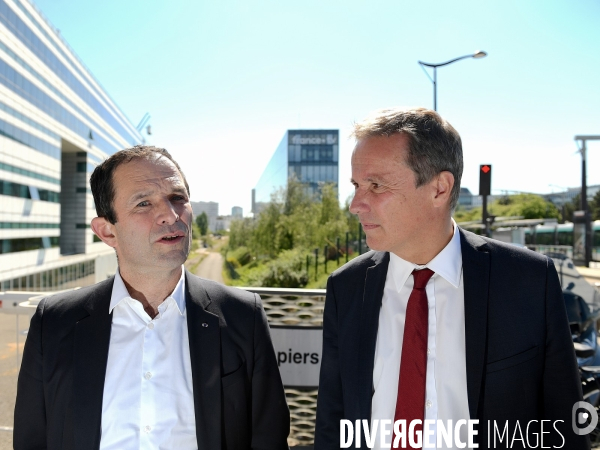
(584, 205)
(478, 54)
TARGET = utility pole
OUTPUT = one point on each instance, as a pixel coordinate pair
(584, 204)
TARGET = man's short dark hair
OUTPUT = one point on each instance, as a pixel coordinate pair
(434, 145)
(102, 179)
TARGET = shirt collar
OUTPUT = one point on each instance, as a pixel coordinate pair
(120, 293)
(447, 263)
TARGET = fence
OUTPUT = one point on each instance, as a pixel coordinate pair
(338, 251)
(300, 308)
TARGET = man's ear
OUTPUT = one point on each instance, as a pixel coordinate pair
(104, 230)
(443, 184)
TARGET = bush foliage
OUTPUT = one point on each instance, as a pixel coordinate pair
(270, 250)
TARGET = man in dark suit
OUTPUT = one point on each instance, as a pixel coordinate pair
(439, 325)
(153, 357)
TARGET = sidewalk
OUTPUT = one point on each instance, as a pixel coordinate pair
(593, 273)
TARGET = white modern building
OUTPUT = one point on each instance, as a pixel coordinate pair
(56, 125)
(211, 209)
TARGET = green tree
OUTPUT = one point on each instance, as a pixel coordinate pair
(467, 215)
(240, 232)
(202, 222)
(293, 219)
(570, 207)
(595, 206)
(528, 206)
(265, 237)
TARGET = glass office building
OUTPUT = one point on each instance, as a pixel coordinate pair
(56, 125)
(311, 156)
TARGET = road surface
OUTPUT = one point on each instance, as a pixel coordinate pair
(211, 267)
(9, 371)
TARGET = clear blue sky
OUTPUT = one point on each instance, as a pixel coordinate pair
(224, 80)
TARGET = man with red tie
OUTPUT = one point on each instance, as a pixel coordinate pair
(438, 327)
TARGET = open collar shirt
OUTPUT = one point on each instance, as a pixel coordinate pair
(446, 379)
(148, 400)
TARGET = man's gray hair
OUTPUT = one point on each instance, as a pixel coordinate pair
(434, 145)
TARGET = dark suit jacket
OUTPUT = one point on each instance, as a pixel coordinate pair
(238, 395)
(519, 353)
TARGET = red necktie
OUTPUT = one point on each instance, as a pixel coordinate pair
(410, 404)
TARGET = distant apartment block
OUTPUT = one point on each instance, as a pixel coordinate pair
(237, 212)
(311, 156)
(212, 212)
(568, 195)
(56, 125)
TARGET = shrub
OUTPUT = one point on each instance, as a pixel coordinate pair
(285, 271)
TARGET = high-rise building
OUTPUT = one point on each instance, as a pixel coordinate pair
(311, 156)
(237, 212)
(56, 125)
(211, 209)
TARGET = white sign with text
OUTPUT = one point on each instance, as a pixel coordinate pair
(298, 352)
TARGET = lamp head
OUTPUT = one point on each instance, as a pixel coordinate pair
(479, 54)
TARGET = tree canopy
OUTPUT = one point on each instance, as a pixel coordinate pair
(293, 219)
(528, 206)
(202, 222)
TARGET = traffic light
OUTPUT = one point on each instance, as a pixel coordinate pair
(485, 179)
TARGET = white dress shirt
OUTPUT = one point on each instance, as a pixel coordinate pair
(446, 379)
(148, 398)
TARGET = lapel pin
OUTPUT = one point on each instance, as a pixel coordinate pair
(205, 325)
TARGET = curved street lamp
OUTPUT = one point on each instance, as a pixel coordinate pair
(478, 54)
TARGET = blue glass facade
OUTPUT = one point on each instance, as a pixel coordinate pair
(310, 156)
(56, 125)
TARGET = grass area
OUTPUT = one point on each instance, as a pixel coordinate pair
(286, 271)
(196, 256)
(217, 244)
(321, 280)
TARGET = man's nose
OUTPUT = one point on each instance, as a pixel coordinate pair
(167, 214)
(358, 204)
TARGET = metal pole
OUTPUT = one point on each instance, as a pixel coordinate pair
(17, 328)
(584, 205)
(478, 54)
(337, 253)
(347, 236)
(435, 88)
(316, 263)
(359, 239)
(325, 253)
(307, 263)
(484, 216)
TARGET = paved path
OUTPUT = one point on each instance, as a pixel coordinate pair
(211, 267)
(9, 371)
(591, 274)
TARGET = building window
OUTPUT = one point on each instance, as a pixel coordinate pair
(22, 245)
(55, 279)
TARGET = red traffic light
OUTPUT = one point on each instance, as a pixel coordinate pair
(485, 179)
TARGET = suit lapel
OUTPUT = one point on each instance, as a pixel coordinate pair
(205, 354)
(369, 323)
(92, 339)
(476, 275)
